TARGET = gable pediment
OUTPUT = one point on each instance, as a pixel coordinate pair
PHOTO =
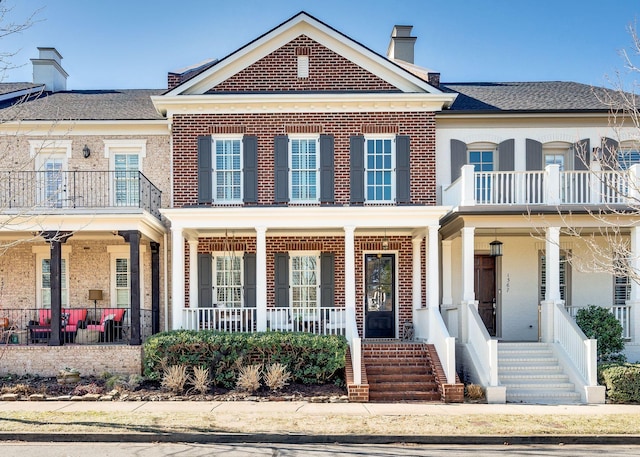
(269, 64)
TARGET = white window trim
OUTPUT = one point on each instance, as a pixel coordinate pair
(43, 253)
(214, 271)
(484, 147)
(113, 147)
(290, 164)
(214, 181)
(393, 167)
(558, 148)
(122, 252)
(315, 254)
(41, 149)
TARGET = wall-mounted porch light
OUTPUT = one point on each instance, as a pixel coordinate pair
(495, 248)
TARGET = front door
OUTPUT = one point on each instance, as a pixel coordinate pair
(485, 290)
(380, 303)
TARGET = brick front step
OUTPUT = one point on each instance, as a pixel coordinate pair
(400, 372)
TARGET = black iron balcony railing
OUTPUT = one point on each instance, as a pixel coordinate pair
(40, 190)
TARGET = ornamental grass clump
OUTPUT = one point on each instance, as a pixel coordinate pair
(276, 376)
(249, 378)
(175, 377)
(201, 380)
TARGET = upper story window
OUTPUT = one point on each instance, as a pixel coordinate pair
(557, 153)
(482, 156)
(125, 159)
(379, 170)
(628, 154)
(304, 170)
(227, 165)
(51, 159)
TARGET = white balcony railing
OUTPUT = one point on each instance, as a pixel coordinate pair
(621, 312)
(548, 187)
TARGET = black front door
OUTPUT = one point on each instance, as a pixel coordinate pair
(380, 303)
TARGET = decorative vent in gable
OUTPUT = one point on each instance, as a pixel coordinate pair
(303, 53)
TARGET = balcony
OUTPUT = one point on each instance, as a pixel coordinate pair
(548, 187)
(59, 191)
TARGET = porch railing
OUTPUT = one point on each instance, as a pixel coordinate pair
(485, 348)
(621, 312)
(355, 345)
(547, 187)
(50, 190)
(580, 350)
(431, 327)
(24, 326)
(316, 320)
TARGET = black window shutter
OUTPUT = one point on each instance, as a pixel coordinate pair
(533, 155)
(581, 154)
(403, 169)
(609, 153)
(250, 168)
(249, 280)
(327, 194)
(205, 170)
(205, 281)
(282, 279)
(356, 176)
(458, 158)
(506, 151)
(327, 279)
(281, 151)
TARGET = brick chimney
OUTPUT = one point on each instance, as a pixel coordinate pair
(47, 70)
(401, 44)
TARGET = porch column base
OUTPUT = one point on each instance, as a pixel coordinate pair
(464, 319)
(451, 316)
(496, 394)
(547, 309)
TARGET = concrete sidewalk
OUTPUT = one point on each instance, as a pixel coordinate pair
(251, 410)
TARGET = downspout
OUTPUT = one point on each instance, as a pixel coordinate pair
(166, 284)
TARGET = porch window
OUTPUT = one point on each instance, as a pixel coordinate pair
(379, 170)
(121, 281)
(227, 280)
(565, 277)
(227, 173)
(304, 279)
(482, 160)
(557, 153)
(45, 284)
(304, 169)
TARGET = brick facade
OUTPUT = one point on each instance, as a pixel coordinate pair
(278, 72)
(419, 126)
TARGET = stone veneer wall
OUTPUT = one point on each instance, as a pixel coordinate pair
(89, 360)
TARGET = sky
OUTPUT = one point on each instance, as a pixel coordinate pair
(120, 44)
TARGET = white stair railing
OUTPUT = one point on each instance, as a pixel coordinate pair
(355, 345)
(581, 350)
(444, 343)
(485, 348)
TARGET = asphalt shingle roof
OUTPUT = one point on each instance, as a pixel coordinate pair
(9, 88)
(528, 96)
(126, 104)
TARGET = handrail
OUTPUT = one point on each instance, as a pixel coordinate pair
(486, 349)
(355, 344)
(444, 343)
(581, 350)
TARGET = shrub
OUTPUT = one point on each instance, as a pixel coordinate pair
(249, 378)
(474, 391)
(312, 359)
(622, 381)
(276, 376)
(598, 322)
(175, 377)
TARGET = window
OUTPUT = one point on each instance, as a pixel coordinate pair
(45, 283)
(379, 170)
(227, 174)
(121, 276)
(557, 153)
(565, 275)
(127, 184)
(628, 157)
(227, 280)
(304, 170)
(304, 279)
(482, 159)
(53, 181)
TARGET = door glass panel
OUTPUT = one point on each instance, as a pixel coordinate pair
(380, 317)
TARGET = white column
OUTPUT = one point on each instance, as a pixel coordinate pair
(447, 278)
(433, 269)
(193, 273)
(177, 278)
(261, 279)
(634, 296)
(349, 267)
(552, 283)
(417, 273)
(468, 251)
(468, 291)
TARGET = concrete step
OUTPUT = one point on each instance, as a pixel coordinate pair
(541, 387)
(532, 376)
(547, 397)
